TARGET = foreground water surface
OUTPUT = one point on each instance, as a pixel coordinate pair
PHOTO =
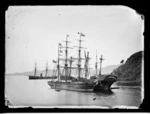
(21, 91)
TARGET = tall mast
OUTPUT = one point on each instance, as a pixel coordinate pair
(79, 60)
(86, 64)
(54, 70)
(101, 59)
(79, 55)
(35, 70)
(96, 63)
(66, 57)
(58, 60)
(70, 65)
(46, 69)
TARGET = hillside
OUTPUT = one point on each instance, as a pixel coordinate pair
(31, 73)
(108, 69)
(105, 70)
(130, 71)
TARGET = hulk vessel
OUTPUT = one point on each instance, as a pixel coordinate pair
(84, 83)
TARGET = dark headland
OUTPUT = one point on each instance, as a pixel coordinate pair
(130, 72)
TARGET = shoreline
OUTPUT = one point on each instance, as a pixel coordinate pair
(131, 84)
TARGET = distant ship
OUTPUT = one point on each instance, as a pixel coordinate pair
(35, 76)
(100, 83)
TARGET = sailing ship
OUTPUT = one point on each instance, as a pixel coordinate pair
(100, 83)
(35, 76)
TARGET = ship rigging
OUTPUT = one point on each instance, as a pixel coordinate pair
(80, 84)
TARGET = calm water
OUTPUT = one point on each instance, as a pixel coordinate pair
(21, 91)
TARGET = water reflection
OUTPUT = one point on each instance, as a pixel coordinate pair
(129, 97)
(108, 93)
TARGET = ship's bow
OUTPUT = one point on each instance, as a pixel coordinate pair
(104, 85)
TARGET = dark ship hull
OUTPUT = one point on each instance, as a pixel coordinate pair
(103, 85)
(38, 77)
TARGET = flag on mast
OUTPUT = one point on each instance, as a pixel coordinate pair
(54, 61)
(82, 34)
(59, 44)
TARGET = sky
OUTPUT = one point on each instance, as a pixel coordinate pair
(32, 33)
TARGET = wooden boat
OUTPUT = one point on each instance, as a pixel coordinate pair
(97, 86)
(100, 84)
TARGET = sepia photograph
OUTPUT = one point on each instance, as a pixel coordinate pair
(74, 57)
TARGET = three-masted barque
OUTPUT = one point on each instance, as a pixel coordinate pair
(100, 83)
